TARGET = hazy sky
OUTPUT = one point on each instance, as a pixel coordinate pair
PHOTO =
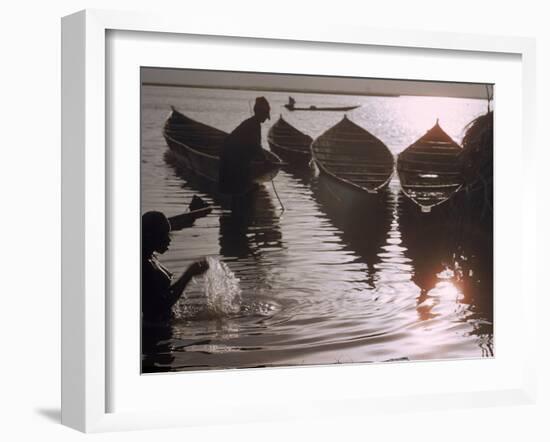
(307, 83)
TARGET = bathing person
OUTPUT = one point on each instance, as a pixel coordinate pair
(159, 290)
(239, 149)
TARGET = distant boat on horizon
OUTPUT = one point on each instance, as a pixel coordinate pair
(291, 106)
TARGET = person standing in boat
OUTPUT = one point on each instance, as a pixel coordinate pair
(159, 290)
(291, 102)
(240, 148)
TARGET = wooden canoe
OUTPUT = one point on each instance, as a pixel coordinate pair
(289, 143)
(352, 155)
(197, 147)
(323, 108)
(430, 169)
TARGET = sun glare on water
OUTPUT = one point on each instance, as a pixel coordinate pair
(419, 114)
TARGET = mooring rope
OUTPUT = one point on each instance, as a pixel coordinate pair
(277, 195)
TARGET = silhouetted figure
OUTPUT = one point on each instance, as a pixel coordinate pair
(291, 102)
(159, 292)
(240, 147)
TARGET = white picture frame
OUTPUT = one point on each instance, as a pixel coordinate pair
(87, 212)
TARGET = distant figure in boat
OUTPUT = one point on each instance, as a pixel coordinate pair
(159, 290)
(240, 147)
(291, 103)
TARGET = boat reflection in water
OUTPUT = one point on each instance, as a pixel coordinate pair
(247, 226)
(452, 266)
(362, 219)
(250, 229)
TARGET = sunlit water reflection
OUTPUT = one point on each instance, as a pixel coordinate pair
(329, 280)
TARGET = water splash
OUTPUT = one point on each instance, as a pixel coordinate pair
(223, 293)
(219, 291)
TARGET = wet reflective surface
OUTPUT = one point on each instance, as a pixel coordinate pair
(336, 277)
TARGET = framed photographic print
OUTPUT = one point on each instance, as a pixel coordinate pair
(303, 225)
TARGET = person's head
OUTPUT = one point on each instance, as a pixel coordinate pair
(155, 232)
(262, 109)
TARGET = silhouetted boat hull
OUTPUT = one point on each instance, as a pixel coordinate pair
(429, 240)
(429, 169)
(290, 144)
(315, 108)
(197, 147)
(358, 160)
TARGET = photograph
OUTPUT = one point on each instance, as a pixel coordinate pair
(302, 220)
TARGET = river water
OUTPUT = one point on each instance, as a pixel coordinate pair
(319, 283)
